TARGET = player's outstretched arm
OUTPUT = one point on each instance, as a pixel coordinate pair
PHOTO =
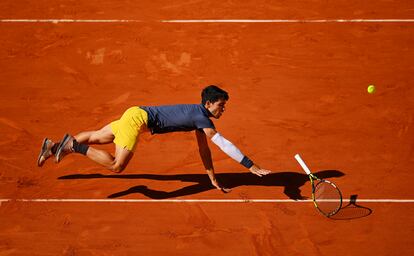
(232, 151)
(205, 154)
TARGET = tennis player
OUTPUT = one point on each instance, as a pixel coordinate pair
(157, 120)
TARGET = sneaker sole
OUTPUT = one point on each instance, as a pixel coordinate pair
(43, 149)
(65, 141)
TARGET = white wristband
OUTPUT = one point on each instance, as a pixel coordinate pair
(227, 147)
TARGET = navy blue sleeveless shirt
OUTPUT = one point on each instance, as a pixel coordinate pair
(174, 118)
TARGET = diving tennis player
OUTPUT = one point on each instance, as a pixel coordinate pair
(124, 134)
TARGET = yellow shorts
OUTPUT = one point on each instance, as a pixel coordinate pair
(129, 126)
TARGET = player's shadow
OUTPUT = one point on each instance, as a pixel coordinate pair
(352, 210)
(291, 181)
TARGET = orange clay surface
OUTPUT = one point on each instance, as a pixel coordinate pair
(294, 88)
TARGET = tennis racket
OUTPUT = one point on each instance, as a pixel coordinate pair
(325, 195)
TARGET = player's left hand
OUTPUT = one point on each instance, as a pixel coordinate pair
(259, 171)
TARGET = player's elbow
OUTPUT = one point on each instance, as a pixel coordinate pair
(209, 132)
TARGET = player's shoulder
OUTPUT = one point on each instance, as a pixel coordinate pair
(193, 108)
(202, 110)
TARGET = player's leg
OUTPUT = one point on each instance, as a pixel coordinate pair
(102, 136)
(124, 146)
(118, 163)
(115, 164)
(123, 132)
(102, 157)
(80, 144)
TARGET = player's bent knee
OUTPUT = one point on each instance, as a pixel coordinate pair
(117, 167)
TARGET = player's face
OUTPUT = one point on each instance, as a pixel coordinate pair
(217, 108)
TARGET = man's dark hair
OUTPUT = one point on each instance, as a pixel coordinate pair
(213, 93)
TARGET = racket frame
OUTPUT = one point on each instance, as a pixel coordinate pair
(312, 178)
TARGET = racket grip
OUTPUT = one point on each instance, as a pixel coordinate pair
(302, 164)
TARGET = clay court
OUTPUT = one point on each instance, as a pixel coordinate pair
(297, 74)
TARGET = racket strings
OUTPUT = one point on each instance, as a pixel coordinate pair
(327, 197)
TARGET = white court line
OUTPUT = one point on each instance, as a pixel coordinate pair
(73, 200)
(64, 21)
(211, 21)
(293, 21)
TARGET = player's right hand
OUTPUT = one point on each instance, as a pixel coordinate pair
(219, 187)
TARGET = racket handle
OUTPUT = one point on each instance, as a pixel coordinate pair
(302, 164)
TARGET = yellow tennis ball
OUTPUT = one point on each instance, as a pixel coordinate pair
(371, 89)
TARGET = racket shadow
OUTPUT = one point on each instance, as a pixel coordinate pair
(352, 210)
(291, 181)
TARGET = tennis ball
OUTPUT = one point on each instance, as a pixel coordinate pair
(371, 89)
